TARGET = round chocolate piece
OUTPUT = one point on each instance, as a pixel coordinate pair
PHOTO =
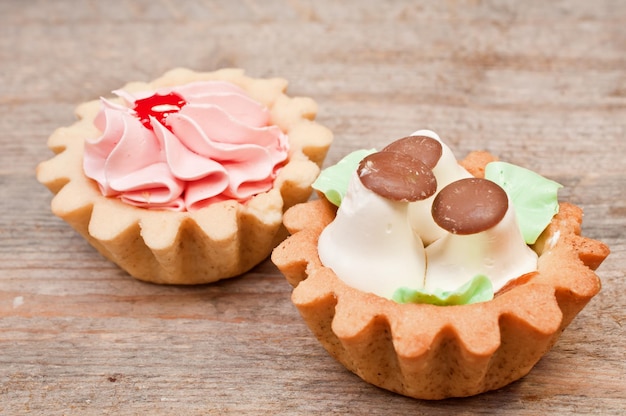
(397, 176)
(423, 148)
(470, 206)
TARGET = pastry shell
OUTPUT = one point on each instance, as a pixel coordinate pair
(435, 352)
(220, 241)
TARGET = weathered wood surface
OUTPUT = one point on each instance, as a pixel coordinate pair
(542, 84)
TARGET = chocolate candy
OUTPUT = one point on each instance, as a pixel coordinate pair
(397, 176)
(423, 148)
(470, 206)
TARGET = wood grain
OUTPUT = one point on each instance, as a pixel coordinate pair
(541, 84)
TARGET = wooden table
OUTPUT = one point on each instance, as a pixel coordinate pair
(541, 84)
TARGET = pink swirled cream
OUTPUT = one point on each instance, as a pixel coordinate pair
(183, 148)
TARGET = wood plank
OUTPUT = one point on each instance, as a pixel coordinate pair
(541, 84)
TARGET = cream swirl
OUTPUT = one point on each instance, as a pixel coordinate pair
(185, 147)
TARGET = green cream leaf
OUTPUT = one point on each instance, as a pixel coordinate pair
(333, 181)
(533, 196)
(478, 289)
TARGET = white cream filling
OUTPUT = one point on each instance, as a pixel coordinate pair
(446, 171)
(370, 245)
(499, 253)
(374, 244)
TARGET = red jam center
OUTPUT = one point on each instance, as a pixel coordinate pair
(158, 106)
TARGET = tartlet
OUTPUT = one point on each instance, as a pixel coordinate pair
(435, 352)
(220, 240)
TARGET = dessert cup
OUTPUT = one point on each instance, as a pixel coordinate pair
(221, 240)
(435, 352)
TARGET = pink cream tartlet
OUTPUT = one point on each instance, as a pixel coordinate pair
(184, 180)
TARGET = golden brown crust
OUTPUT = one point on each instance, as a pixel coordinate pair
(220, 241)
(476, 161)
(434, 352)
